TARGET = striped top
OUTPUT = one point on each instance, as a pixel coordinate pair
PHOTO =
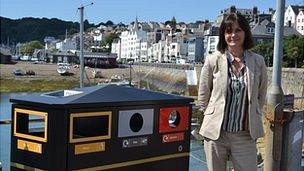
(236, 115)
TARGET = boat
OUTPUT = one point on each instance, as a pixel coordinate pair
(18, 72)
(117, 80)
(63, 68)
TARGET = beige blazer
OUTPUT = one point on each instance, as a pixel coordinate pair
(213, 90)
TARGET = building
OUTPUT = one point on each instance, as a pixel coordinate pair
(50, 43)
(156, 52)
(134, 44)
(211, 40)
(116, 48)
(263, 32)
(67, 44)
(294, 17)
(157, 35)
(92, 59)
(195, 49)
(96, 36)
(5, 55)
(290, 15)
(176, 48)
(300, 21)
(247, 13)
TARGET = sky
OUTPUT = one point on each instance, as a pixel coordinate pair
(126, 10)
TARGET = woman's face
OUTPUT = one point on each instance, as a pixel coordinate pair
(235, 36)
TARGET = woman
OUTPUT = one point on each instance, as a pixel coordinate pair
(232, 93)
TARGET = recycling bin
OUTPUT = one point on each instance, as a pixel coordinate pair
(101, 128)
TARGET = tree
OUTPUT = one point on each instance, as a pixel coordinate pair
(109, 23)
(266, 50)
(72, 31)
(173, 22)
(90, 29)
(30, 47)
(293, 53)
(107, 42)
(28, 29)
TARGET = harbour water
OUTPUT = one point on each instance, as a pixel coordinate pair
(197, 156)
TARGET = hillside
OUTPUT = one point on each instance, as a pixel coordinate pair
(28, 29)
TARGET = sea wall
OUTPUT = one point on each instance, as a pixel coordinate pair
(175, 79)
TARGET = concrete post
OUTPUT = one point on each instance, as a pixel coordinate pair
(81, 58)
(274, 129)
(130, 78)
(292, 141)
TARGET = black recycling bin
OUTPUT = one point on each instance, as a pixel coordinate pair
(101, 128)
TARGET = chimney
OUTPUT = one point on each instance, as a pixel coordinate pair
(255, 11)
(232, 9)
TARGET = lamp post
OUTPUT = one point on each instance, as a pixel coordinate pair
(274, 130)
(81, 58)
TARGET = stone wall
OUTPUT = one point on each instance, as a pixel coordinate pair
(166, 79)
(292, 81)
(174, 80)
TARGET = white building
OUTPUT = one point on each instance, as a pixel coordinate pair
(290, 16)
(134, 44)
(210, 44)
(176, 49)
(211, 40)
(66, 45)
(293, 17)
(50, 43)
(156, 52)
(97, 35)
(116, 48)
(300, 21)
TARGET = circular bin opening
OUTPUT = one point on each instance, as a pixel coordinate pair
(174, 119)
(136, 122)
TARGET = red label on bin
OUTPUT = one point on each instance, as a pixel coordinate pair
(173, 119)
(173, 137)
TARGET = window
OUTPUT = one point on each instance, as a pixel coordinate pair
(270, 30)
(30, 124)
(212, 48)
(212, 39)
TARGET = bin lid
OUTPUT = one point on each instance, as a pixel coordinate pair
(100, 96)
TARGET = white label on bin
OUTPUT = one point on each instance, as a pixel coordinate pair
(134, 142)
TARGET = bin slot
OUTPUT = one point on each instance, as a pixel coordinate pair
(90, 126)
(30, 124)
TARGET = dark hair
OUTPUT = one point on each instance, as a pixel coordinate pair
(227, 24)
